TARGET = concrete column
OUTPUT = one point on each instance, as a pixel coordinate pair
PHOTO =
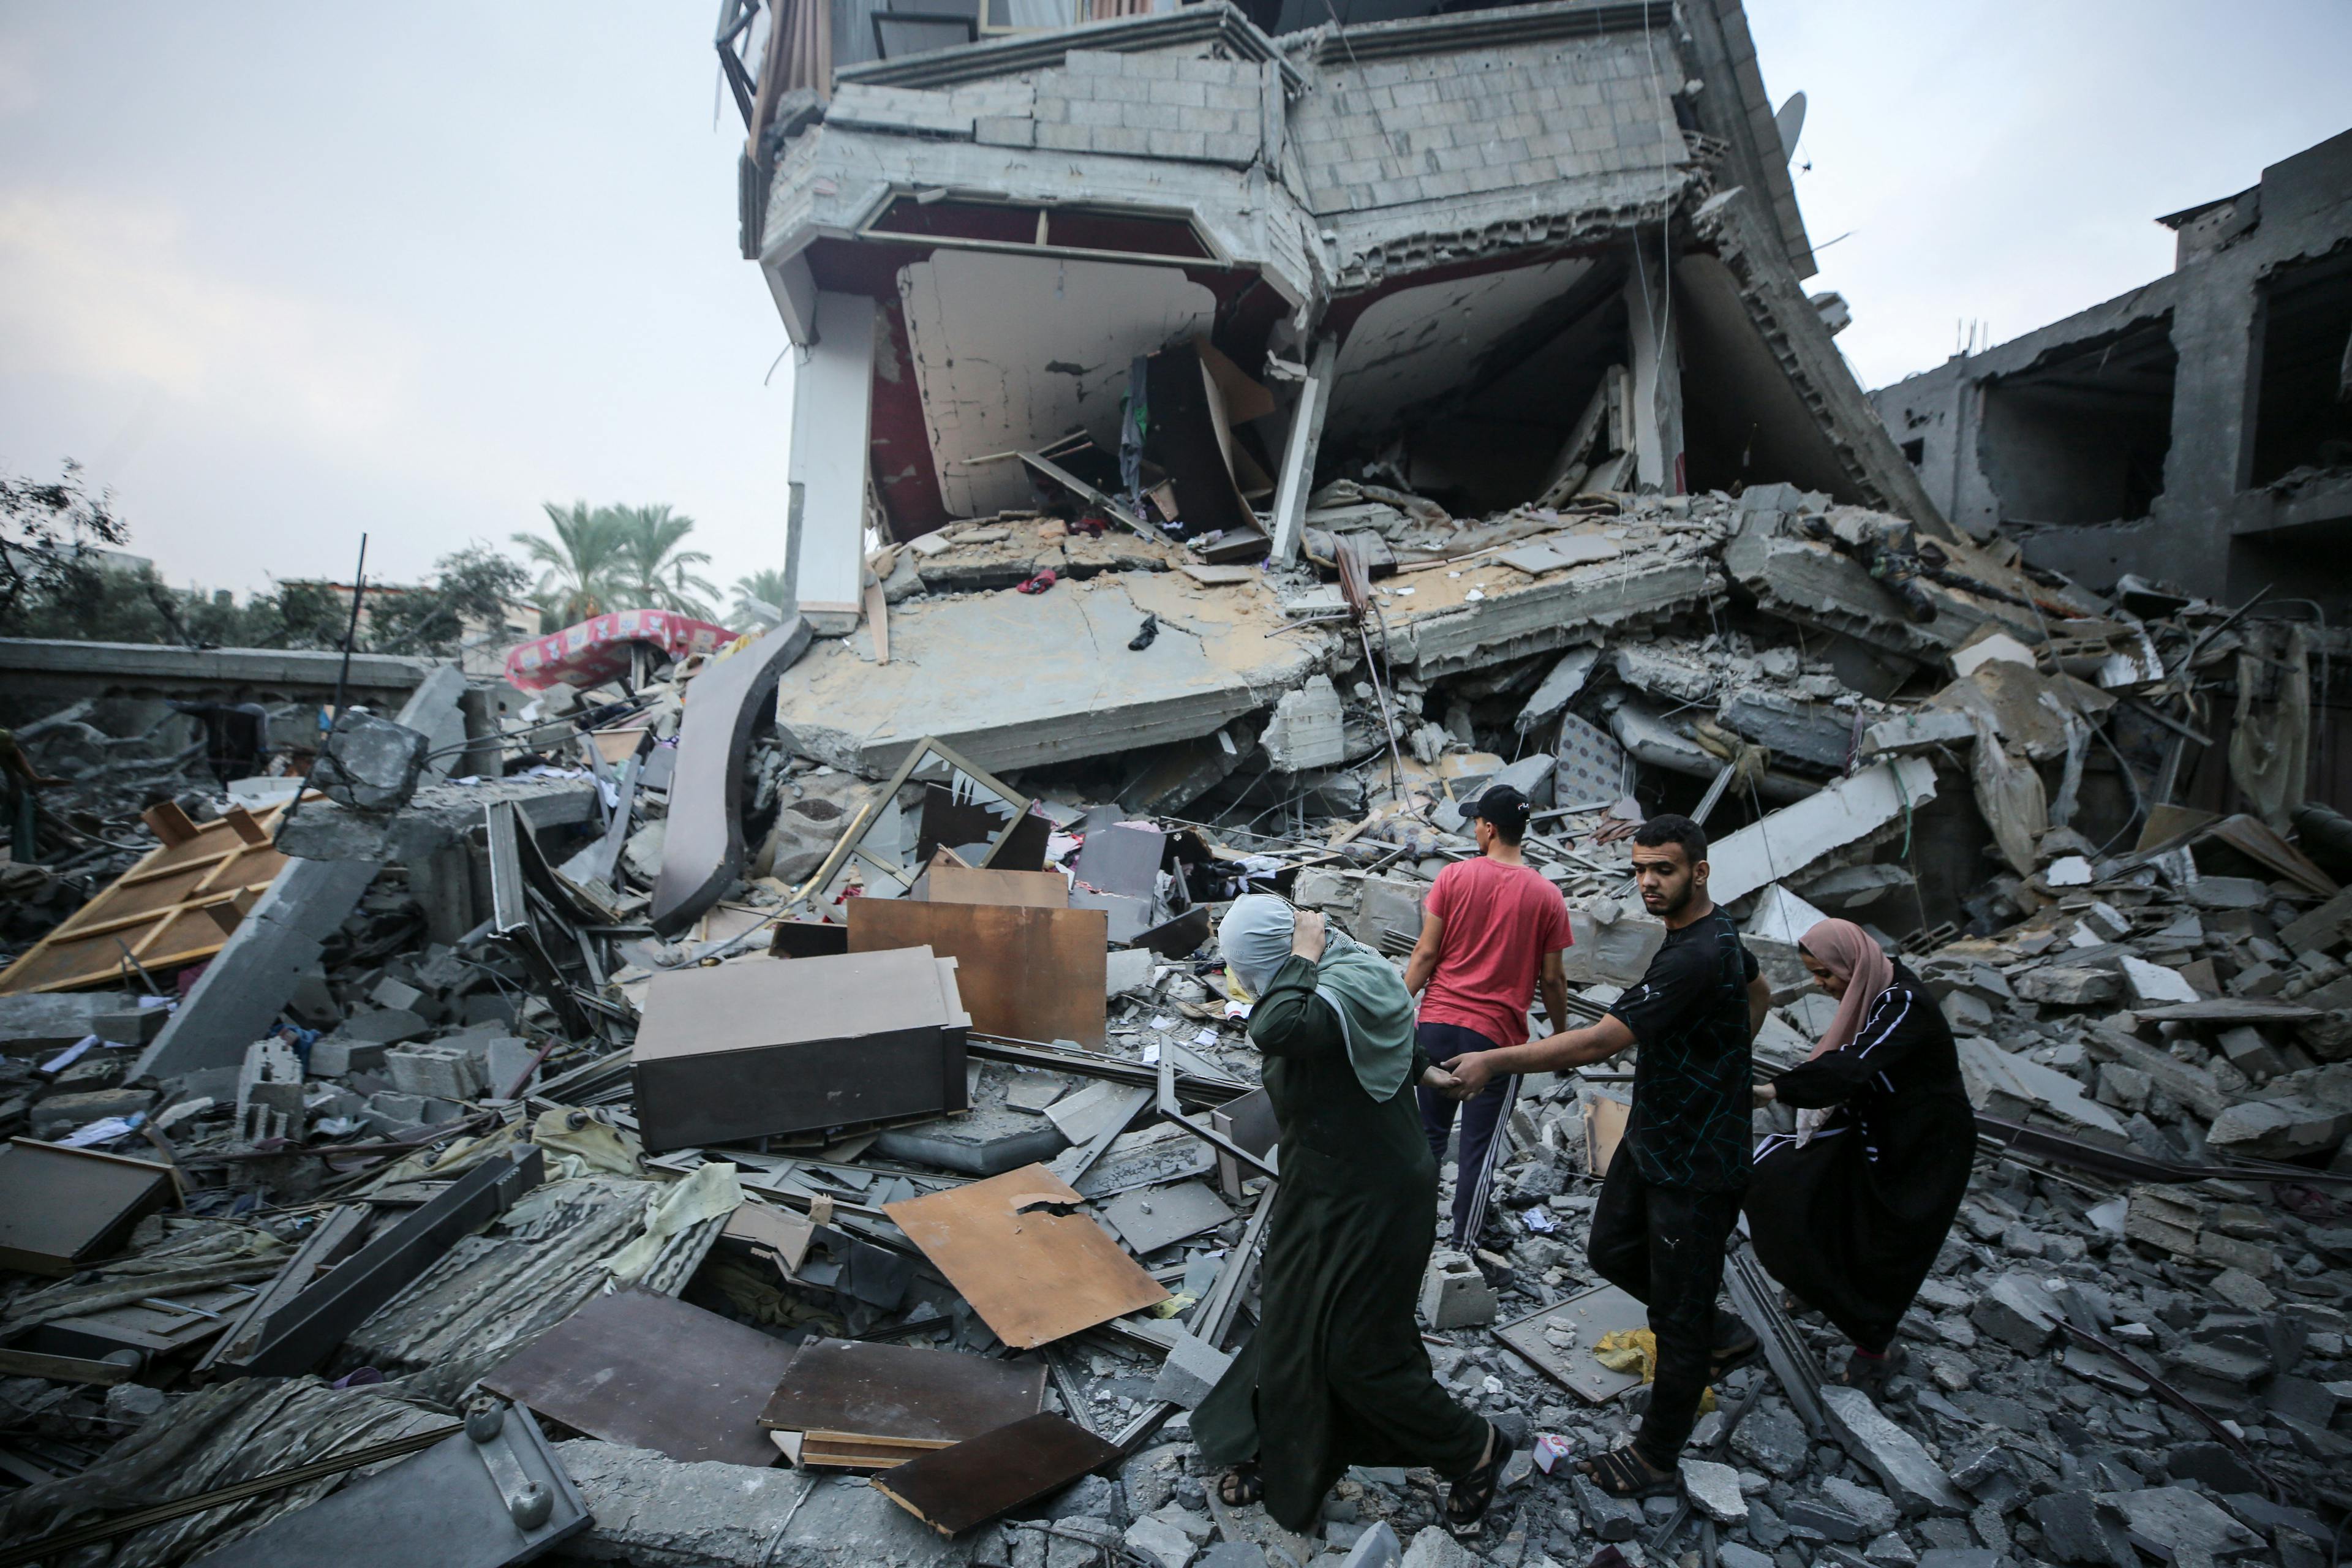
(824, 559)
(1656, 406)
(1297, 480)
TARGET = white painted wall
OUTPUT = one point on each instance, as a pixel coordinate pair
(1012, 350)
(1417, 343)
(829, 457)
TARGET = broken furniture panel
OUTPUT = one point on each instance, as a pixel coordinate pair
(1148, 1218)
(526, 899)
(62, 1209)
(757, 1046)
(298, 1335)
(888, 845)
(702, 852)
(859, 1405)
(1557, 1341)
(162, 1324)
(1249, 1122)
(1024, 1252)
(176, 907)
(1124, 858)
(491, 1495)
(951, 884)
(1025, 973)
(647, 1369)
(952, 1489)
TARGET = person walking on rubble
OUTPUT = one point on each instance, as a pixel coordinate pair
(1492, 930)
(1672, 1194)
(1337, 1374)
(1850, 1211)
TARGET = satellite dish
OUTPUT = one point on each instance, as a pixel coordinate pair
(1791, 124)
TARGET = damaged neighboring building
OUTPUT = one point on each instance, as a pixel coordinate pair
(2196, 429)
(1486, 257)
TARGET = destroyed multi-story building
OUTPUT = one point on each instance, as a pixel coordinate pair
(2196, 429)
(1424, 244)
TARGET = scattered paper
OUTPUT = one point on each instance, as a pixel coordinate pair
(71, 1055)
(1164, 1022)
(103, 1131)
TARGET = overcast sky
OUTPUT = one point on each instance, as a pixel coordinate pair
(279, 273)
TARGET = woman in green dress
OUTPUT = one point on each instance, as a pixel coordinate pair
(1336, 1373)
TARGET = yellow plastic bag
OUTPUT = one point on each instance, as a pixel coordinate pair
(1636, 1349)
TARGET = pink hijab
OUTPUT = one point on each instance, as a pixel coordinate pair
(1846, 951)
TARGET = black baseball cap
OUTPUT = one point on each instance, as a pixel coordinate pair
(1503, 806)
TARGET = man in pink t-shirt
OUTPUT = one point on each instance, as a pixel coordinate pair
(1492, 930)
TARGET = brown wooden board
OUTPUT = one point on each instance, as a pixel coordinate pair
(647, 1369)
(973, 885)
(955, 1488)
(1028, 974)
(852, 1392)
(176, 907)
(757, 1046)
(1024, 1251)
(61, 1208)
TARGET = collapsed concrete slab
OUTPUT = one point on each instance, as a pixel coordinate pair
(1848, 811)
(1012, 680)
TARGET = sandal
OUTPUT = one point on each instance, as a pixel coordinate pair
(1474, 1494)
(1871, 1374)
(1623, 1473)
(1240, 1485)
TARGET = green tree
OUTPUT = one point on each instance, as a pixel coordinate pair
(655, 569)
(475, 581)
(52, 536)
(766, 587)
(583, 563)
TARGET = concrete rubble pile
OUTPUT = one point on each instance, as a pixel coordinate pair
(558, 1100)
(781, 1101)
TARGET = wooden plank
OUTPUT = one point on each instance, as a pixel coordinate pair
(855, 1391)
(843, 1451)
(647, 1369)
(62, 1208)
(1024, 973)
(176, 907)
(1008, 889)
(955, 1488)
(1024, 1252)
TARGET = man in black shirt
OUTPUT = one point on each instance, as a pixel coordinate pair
(1672, 1194)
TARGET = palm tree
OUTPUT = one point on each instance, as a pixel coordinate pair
(767, 587)
(658, 570)
(582, 563)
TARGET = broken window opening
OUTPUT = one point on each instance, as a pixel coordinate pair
(2303, 398)
(1007, 226)
(2080, 436)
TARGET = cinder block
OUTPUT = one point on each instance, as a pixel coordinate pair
(269, 1092)
(1064, 137)
(1191, 1369)
(1453, 1294)
(1093, 113)
(1236, 148)
(1181, 94)
(1093, 62)
(1131, 144)
(1182, 144)
(1154, 117)
(444, 1072)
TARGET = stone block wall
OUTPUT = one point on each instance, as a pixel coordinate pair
(1155, 105)
(1389, 131)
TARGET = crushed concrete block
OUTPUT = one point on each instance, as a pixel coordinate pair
(1922, 730)
(2062, 985)
(1192, 1368)
(1819, 1519)
(1784, 842)
(37, 1022)
(1877, 1515)
(133, 1403)
(2244, 1048)
(61, 1113)
(2277, 1128)
(441, 1071)
(1714, 1490)
(1081, 1542)
(1433, 1548)
(1127, 969)
(656, 1512)
(1305, 730)
(269, 1092)
(1455, 1294)
(2017, 1311)
(1813, 732)
(2173, 1522)
(1616, 952)
(1158, 1541)
(1737, 1554)
(1610, 1519)
(1376, 1548)
(398, 994)
(1916, 1483)
(2152, 984)
(506, 1058)
(2078, 1531)
(370, 763)
(1773, 1440)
